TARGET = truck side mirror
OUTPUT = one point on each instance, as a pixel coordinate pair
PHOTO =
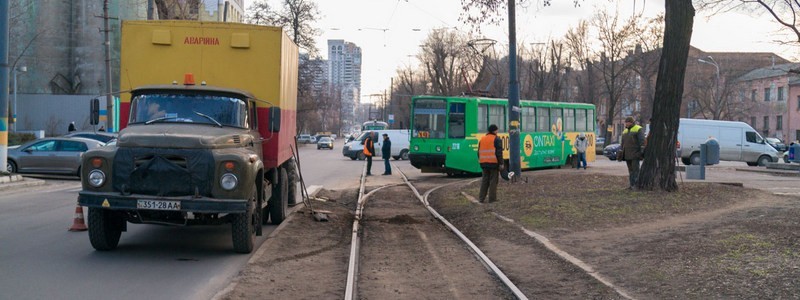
(94, 111)
(274, 119)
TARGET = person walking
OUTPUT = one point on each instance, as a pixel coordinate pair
(369, 151)
(386, 152)
(102, 128)
(71, 127)
(490, 156)
(631, 150)
(580, 144)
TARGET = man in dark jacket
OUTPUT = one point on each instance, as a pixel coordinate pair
(386, 152)
(369, 151)
(631, 149)
(490, 156)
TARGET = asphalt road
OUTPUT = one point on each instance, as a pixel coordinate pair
(40, 259)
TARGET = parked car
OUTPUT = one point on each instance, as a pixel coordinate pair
(59, 155)
(325, 142)
(599, 145)
(610, 151)
(104, 137)
(304, 138)
(777, 144)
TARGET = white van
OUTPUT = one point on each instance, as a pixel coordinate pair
(737, 142)
(400, 140)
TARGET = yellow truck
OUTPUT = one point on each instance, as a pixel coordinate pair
(208, 117)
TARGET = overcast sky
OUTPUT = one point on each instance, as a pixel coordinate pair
(389, 32)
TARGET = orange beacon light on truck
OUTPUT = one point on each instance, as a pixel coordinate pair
(188, 79)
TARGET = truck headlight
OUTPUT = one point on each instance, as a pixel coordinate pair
(228, 181)
(97, 178)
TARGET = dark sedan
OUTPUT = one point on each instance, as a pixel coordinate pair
(777, 144)
(57, 155)
(610, 151)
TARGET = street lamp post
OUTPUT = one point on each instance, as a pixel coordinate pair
(15, 70)
(711, 61)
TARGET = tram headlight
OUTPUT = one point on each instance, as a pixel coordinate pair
(416, 147)
(228, 181)
(97, 178)
(438, 148)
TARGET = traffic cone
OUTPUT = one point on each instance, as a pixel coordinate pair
(77, 223)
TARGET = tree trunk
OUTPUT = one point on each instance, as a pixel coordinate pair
(658, 169)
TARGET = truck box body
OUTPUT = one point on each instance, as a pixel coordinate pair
(737, 141)
(258, 59)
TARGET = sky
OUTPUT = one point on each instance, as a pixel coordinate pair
(389, 32)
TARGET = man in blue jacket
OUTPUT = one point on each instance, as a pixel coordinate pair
(386, 151)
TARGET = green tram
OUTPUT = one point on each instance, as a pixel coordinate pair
(446, 130)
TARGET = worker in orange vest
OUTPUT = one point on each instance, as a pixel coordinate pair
(369, 151)
(490, 156)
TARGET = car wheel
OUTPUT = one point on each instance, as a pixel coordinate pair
(11, 167)
(361, 156)
(786, 159)
(352, 158)
(763, 160)
(404, 154)
(686, 161)
(695, 159)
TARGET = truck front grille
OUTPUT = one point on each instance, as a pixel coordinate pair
(163, 172)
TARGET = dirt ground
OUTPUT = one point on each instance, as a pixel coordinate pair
(707, 241)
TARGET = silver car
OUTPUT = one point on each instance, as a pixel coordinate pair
(56, 155)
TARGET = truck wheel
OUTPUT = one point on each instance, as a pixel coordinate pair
(103, 232)
(764, 160)
(291, 169)
(695, 159)
(243, 227)
(278, 203)
(361, 156)
(404, 154)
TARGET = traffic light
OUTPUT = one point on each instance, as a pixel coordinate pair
(94, 112)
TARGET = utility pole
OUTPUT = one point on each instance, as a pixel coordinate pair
(4, 6)
(109, 97)
(513, 94)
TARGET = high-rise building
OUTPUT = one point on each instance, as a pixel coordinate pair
(344, 76)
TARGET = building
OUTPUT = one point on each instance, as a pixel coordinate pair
(344, 61)
(771, 99)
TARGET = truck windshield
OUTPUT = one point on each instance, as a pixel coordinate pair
(189, 108)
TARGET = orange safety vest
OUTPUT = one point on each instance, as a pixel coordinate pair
(486, 150)
(366, 147)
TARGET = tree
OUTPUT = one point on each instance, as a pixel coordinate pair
(658, 169)
(297, 17)
(581, 56)
(785, 12)
(648, 50)
(178, 9)
(444, 55)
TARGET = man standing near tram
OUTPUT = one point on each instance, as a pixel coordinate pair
(490, 156)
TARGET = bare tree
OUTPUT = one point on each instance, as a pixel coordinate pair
(658, 169)
(785, 12)
(178, 9)
(444, 54)
(581, 56)
(297, 16)
(648, 49)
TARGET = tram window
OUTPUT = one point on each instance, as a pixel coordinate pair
(528, 119)
(569, 119)
(497, 116)
(456, 120)
(542, 119)
(580, 120)
(591, 119)
(429, 118)
(483, 115)
(555, 117)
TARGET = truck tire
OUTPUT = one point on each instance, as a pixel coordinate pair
(292, 172)
(103, 231)
(695, 159)
(404, 154)
(763, 160)
(243, 227)
(279, 202)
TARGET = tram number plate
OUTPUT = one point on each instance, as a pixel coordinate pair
(158, 205)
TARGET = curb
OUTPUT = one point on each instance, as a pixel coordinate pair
(312, 191)
(770, 172)
(8, 182)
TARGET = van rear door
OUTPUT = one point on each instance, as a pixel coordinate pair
(730, 143)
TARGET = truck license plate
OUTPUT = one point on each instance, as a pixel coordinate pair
(158, 205)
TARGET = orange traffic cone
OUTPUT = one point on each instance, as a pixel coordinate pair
(77, 223)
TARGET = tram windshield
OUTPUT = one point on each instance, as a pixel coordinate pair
(430, 118)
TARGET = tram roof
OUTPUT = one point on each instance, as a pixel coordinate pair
(523, 101)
